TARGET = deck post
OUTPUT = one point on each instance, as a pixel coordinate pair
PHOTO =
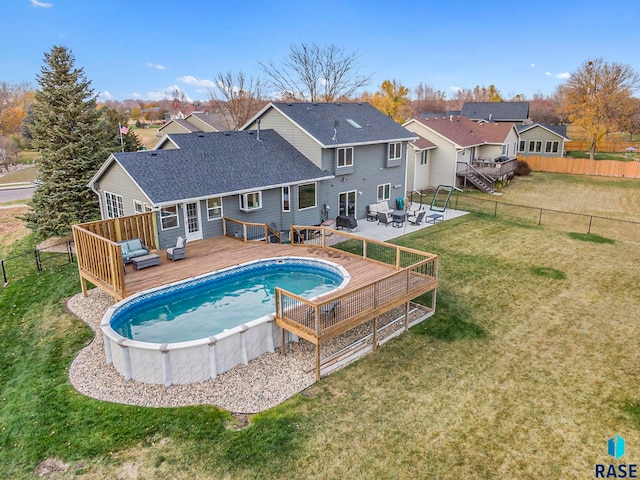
(406, 317)
(283, 348)
(317, 361)
(364, 248)
(375, 333)
(397, 258)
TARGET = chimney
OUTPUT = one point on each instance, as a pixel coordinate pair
(451, 118)
(258, 133)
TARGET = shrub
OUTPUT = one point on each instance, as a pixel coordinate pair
(522, 168)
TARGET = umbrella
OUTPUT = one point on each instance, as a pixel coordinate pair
(630, 149)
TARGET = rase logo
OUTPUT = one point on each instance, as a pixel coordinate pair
(615, 448)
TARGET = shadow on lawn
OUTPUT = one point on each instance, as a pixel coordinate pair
(451, 320)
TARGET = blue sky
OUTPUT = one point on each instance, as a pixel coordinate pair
(142, 49)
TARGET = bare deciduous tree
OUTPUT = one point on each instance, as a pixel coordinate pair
(237, 97)
(428, 100)
(316, 74)
(595, 97)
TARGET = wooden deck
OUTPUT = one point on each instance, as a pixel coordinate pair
(205, 256)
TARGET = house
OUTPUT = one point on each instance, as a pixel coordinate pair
(192, 123)
(195, 179)
(450, 150)
(542, 140)
(362, 148)
(510, 112)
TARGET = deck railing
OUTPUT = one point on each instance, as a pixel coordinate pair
(250, 231)
(373, 250)
(328, 318)
(496, 170)
(100, 257)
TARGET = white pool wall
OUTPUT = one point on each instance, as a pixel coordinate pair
(196, 360)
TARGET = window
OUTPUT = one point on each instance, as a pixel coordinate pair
(286, 206)
(147, 207)
(532, 146)
(169, 217)
(523, 144)
(114, 204)
(137, 207)
(424, 158)
(505, 149)
(306, 196)
(250, 201)
(395, 151)
(214, 208)
(344, 157)
(551, 147)
(538, 146)
(384, 192)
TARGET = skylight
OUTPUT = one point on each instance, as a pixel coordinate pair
(353, 123)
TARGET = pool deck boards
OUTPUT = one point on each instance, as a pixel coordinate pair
(205, 256)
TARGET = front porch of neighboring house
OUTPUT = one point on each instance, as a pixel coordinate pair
(383, 276)
(483, 173)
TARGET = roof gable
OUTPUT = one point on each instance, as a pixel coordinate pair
(560, 130)
(217, 163)
(335, 124)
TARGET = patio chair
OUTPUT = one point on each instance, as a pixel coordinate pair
(177, 252)
(327, 312)
(384, 219)
(417, 219)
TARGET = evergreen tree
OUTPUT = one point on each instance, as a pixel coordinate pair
(73, 140)
(130, 141)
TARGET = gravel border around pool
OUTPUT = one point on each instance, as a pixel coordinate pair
(262, 384)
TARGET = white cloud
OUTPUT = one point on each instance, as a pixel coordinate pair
(562, 76)
(36, 4)
(136, 95)
(533, 65)
(167, 94)
(455, 89)
(106, 95)
(156, 66)
(189, 80)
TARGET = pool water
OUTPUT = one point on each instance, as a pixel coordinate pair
(220, 302)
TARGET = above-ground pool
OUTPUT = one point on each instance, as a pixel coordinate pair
(193, 330)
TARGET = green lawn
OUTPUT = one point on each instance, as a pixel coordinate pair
(528, 367)
(603, 156)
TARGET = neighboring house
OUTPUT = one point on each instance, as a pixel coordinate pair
(193, 180)
(364, 149)
(510, 112)
(542, 140)
(192, 123)
(448, 146)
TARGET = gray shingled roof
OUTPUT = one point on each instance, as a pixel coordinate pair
(320, 120)
(217, 163)
(496, 111)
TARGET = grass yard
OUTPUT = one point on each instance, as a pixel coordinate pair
(27, 174)
(529, 366)
(147, 136)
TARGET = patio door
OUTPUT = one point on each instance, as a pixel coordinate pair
(192, 223)
(347, 203)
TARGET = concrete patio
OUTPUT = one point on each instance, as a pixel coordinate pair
(380, 232)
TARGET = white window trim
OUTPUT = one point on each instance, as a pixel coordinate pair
(315, 192)
(288, 198)
(345, 149)
(211, 209)
(138, 207)
(397, 150)
(114, 205)
(243, 198)
(386, 189)
(424, 157)
(177, 217)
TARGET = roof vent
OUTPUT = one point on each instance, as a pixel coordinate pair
(451, 118)
(201, 135)
(153, 153)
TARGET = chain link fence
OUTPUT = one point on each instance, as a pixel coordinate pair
(572, 222)
(37, 260)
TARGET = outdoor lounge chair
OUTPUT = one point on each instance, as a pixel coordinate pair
(383, 218)
(417, 219)
(177, 252)
(327, 312)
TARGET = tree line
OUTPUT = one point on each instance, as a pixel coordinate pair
(74, 134)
